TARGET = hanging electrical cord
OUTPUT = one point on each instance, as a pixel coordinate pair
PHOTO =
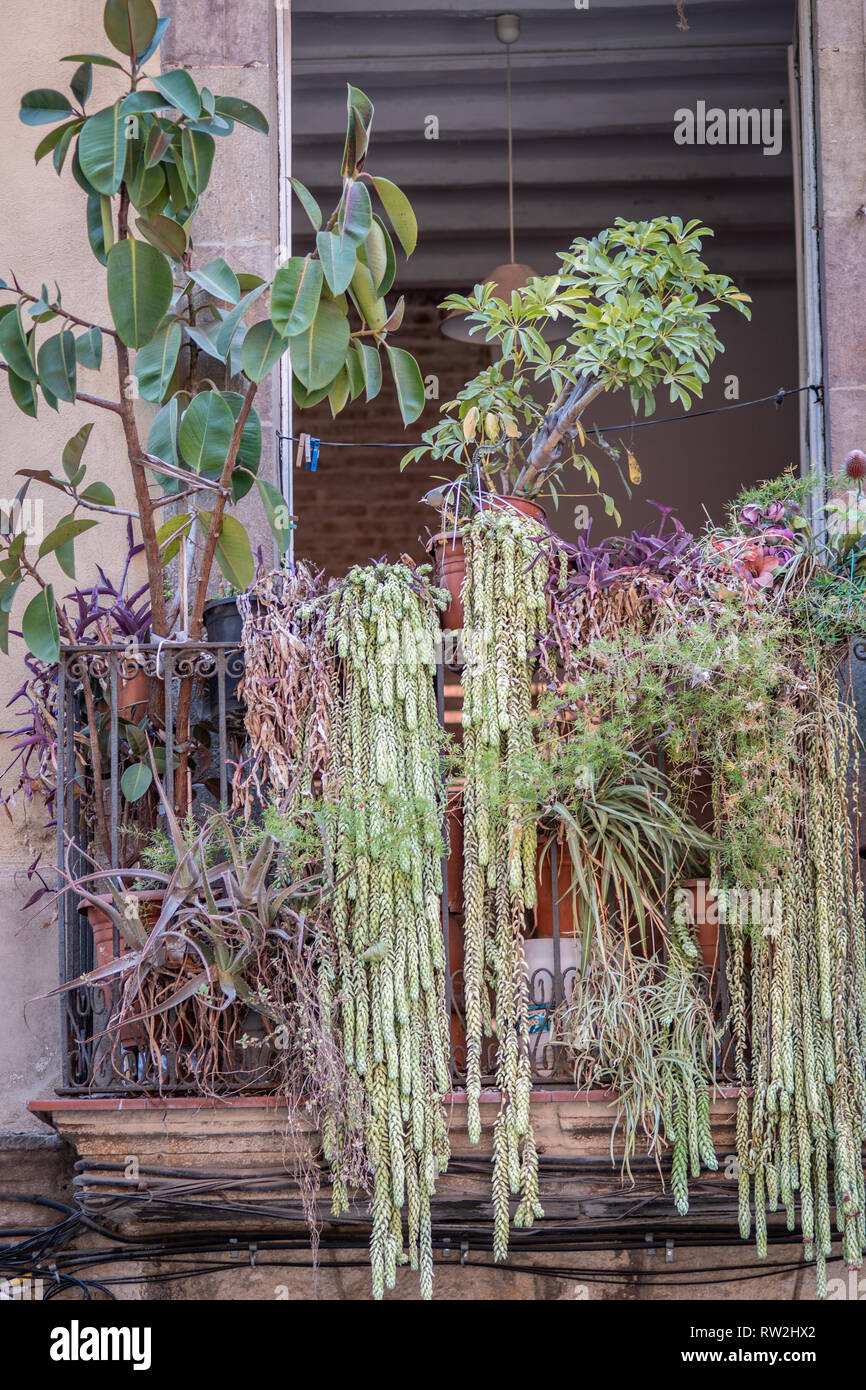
(777, 398)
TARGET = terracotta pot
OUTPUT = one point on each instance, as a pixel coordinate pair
(544, 892)
(704, 906)
(133, 696)
(525, 505)
(102, 927)
(450, 558)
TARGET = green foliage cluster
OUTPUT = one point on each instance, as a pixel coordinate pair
(639, 304)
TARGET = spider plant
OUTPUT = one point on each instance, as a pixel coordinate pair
(626, 840)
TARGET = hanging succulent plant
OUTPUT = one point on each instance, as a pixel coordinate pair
(505, 607)
(807, 1115)
(382, 982)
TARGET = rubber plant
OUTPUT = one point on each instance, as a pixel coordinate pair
(143, 163)
(640, 303)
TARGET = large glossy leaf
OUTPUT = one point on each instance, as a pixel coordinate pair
(295, 295)
(233, 553)
(144, 183)
(400, 213)
(15, 347)
(47, 144)
(308, 203)
(338, 261)
(98, 59)
(155, 363)
(102, 149)
(74, 448)
(232, 321)
(206, 431)
(165, 234)
(243, 112)
(218, 278)
(96, 228)
(179, 90)
(88, 349)
(371, 368)
(142, 101)
(39, 626)
(82, 82)
(356, 214)
(135, 781)
(61, 541)
(250, 451)
(409, 383)
(170, 535)
(23, 393)
(129, 24)
(319, 352)
(162, 439)
(277, 513)
(359, 109)
(57, 366)
(262, 350)
(161, 27)
(198, 152)
(139, 290)
(43, 106)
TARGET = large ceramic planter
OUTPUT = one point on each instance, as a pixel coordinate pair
(703, 913)
(450, 558)
(223, 623)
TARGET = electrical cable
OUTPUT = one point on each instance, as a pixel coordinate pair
(777, 397)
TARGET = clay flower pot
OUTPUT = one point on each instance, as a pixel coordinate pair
(703, 914)
(450, 557)
(102, 928)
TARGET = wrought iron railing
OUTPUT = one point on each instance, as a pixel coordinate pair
(100, 1062)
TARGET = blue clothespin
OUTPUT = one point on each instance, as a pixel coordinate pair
(313, 456)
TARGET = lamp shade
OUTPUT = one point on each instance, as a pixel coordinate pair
(504, 279)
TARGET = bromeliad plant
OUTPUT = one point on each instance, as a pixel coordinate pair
(639, 302)
(143, 163)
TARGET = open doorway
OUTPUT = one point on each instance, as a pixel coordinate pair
(612, 113)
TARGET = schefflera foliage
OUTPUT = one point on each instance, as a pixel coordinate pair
(143, 163)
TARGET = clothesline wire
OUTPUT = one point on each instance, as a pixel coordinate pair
(778, 397)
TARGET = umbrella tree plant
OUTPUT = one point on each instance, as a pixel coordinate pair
(143, 163)
(639, 302)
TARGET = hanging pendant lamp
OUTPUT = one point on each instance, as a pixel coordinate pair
(512, 275)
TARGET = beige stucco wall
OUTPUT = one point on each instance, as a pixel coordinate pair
(44, 239)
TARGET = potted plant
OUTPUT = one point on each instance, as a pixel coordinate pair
(173, 319)
(640, 304)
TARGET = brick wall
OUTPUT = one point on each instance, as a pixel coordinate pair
(358, 506)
